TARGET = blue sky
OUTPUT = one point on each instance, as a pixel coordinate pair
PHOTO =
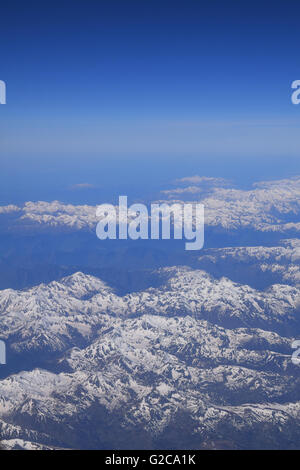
(117, 87)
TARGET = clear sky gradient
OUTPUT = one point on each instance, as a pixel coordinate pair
(146, 91)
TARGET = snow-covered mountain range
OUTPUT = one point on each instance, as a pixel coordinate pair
(196, 353)
(267, 207)
(190, 350)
